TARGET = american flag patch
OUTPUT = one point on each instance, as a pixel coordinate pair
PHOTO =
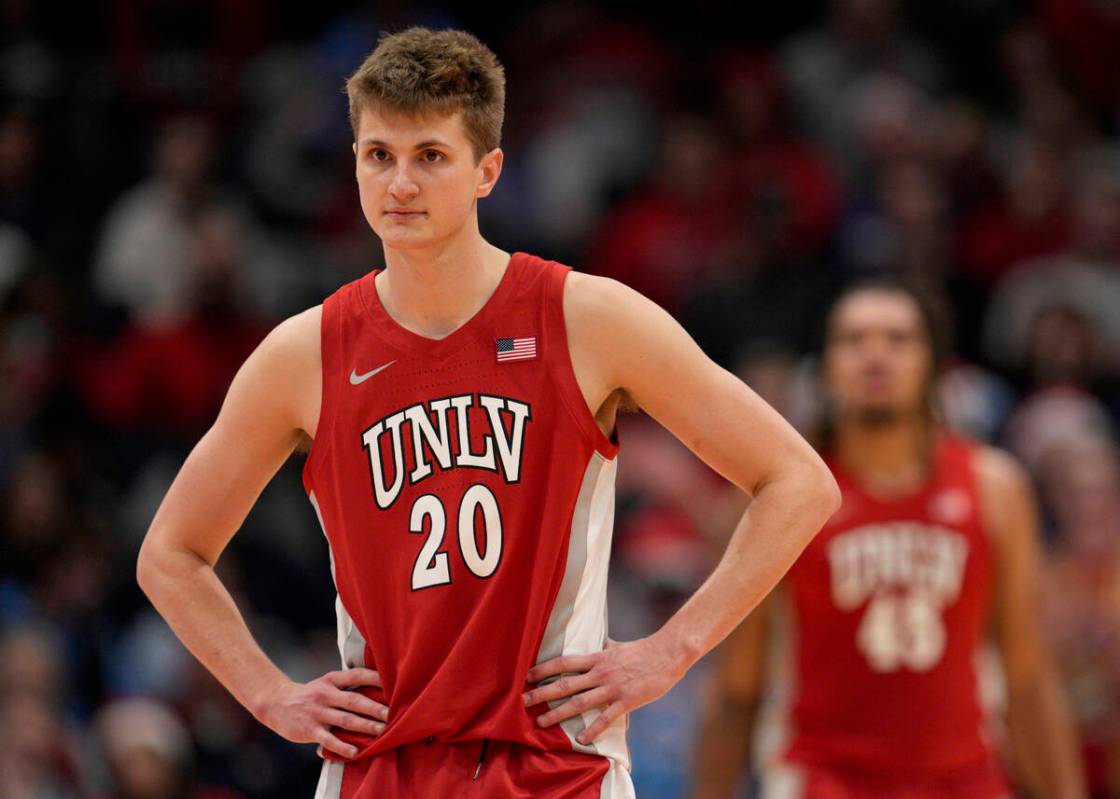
(516, 349)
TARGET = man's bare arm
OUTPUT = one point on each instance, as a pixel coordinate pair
(733, 430)
(255, 432)
(732, 701)
(1039, 721)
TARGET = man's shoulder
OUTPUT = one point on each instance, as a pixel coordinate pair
(997, 470)
(595, 295)
(598, 299)
(291, 349)
(1005, 489)
(290, 366)
(299, 333)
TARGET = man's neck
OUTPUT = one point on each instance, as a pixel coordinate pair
(435, 291)
(888, 457)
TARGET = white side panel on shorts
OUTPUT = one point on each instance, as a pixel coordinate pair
(778, 779)
(617, 783)
(330, 780)
(774, 728)
(784, 781)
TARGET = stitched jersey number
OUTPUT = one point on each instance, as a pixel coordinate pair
(431, 567)
(898, 631)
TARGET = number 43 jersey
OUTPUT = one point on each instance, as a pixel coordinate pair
(890, 602)
(467, 495)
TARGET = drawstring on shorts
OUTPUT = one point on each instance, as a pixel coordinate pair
(481, 757)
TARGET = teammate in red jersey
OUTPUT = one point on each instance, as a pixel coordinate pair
(934, 546)
(461, 403)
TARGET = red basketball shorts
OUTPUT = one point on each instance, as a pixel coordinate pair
(491, 768)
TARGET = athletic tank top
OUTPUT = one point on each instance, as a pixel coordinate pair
(467, 496)
(890, 601)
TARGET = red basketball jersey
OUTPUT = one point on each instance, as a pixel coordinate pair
(890, 601)
(467, 496)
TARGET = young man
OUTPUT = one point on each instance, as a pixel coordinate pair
(935, 541)
(461, 404)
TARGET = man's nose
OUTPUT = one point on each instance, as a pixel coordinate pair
(402, 184)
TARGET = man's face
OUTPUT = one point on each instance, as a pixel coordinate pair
(425, 165)
(877, 356)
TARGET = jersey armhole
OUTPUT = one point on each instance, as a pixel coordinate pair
(328, 325)
(564, 373)
(969, 454)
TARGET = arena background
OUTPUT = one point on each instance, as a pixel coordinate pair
(176, 177)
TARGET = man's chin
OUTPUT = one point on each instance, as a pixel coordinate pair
(406, 242)
(875, 415)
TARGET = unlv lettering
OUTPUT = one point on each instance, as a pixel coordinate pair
(500, 449)
(910, 571)
(903, 555)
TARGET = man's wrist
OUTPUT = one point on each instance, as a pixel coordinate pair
(683, 646)
(263, 691)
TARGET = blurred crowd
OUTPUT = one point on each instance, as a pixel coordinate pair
(176, 178)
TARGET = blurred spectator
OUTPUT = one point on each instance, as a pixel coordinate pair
(905, 226)
(1057, 315)
(860, 83)
(40, 755)
(142, 259)
(23, 195)
(176, 51)
(17, 254)
(1081, 595)
(164, 229)
(29, 70)
(291, 159)
(958, 147)
(36, 518)
(663, 239)
(1027, 219)
(765, 291)
(974, 400)
(148, 753)
(1054, 417)
(770, 160)
(594, 133)
(1047, 109)
(172, 376)
(1084, 34)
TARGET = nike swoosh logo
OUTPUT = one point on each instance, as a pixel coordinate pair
(356, 378)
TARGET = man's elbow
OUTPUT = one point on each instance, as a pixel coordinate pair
(145, 567)
(152, 564)
(833, 498)
(808, 479)
(821, 485)
(165, 560)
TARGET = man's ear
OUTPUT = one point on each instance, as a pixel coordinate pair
(491, 166)
(354, 147)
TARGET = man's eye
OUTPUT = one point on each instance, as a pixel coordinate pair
(432, 152)
(375, 153)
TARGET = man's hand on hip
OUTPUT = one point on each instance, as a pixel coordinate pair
(622, 677)
(306, 712)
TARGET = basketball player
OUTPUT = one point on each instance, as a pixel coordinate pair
(461, 406)
(933, 548)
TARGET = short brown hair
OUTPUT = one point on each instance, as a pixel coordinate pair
(418, 70)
